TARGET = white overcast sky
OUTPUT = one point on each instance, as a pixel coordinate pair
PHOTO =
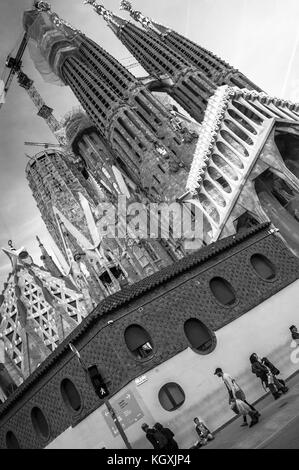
(259, 37)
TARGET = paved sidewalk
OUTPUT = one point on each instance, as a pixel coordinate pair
(278, 426)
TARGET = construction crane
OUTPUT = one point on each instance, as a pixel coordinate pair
(46, 145)
(14, 64)
(44, 111)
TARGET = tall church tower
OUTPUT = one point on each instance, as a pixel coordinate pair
(134, 123)
(184, 82)
(55, 181)
(96, 156)
(215, 68)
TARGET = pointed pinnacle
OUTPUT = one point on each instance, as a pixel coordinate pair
(145, 21)
(101, 10)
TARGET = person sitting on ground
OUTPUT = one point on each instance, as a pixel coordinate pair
(203, 432)
(171, 443)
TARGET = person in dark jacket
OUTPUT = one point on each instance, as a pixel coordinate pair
(275, 373)
(150, 435)
(294, 332)
(266, 376)
(171, 443)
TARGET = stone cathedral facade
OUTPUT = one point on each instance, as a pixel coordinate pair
(232, 156)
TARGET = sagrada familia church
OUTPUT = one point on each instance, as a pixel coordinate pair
(196, 132)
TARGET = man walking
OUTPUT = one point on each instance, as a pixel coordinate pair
(236, 393)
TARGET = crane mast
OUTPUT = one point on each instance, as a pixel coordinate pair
(44, 111)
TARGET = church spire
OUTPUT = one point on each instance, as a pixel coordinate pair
(113, 21)
(37, 311)
(212, 66)
(145, 21)
(47, 260)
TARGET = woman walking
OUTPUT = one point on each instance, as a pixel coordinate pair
(268, 379)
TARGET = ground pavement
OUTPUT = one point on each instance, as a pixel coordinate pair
(278, 427)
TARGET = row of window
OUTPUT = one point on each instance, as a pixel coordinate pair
(223, 290)
(199, 336)
(139, 342)
(171, 397)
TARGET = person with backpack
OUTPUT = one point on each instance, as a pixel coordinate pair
(275, 372)
(236, 393)
(263, 372)
(171, 443)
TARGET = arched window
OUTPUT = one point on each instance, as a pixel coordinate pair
(200, 337)
(70, 394)
(223, 291)
(40, 423)
(11, 441)
(263, 266)
(138, 341)
(171, 396)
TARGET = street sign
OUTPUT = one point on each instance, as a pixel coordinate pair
(140, 380)
(127, 411)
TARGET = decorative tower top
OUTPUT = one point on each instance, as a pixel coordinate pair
(145, 21)
(59, 22)
(10, 244)
(115, 22)
(136, 15)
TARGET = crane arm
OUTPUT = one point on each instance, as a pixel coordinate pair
(14, 63)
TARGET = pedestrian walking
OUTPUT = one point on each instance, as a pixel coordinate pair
(268, 379)
(236, 393)
(203, 432)
(156, 438)
(171, 443)
(241, 407)
(276, 373)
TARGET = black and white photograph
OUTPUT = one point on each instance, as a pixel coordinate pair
(149, 228)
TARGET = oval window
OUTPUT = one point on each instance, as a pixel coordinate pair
(11, 441)
(263, 266)
(138, 341)
(171, 396)
(40, 423)
(223, 291)
(200, 337)
(70, 394)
